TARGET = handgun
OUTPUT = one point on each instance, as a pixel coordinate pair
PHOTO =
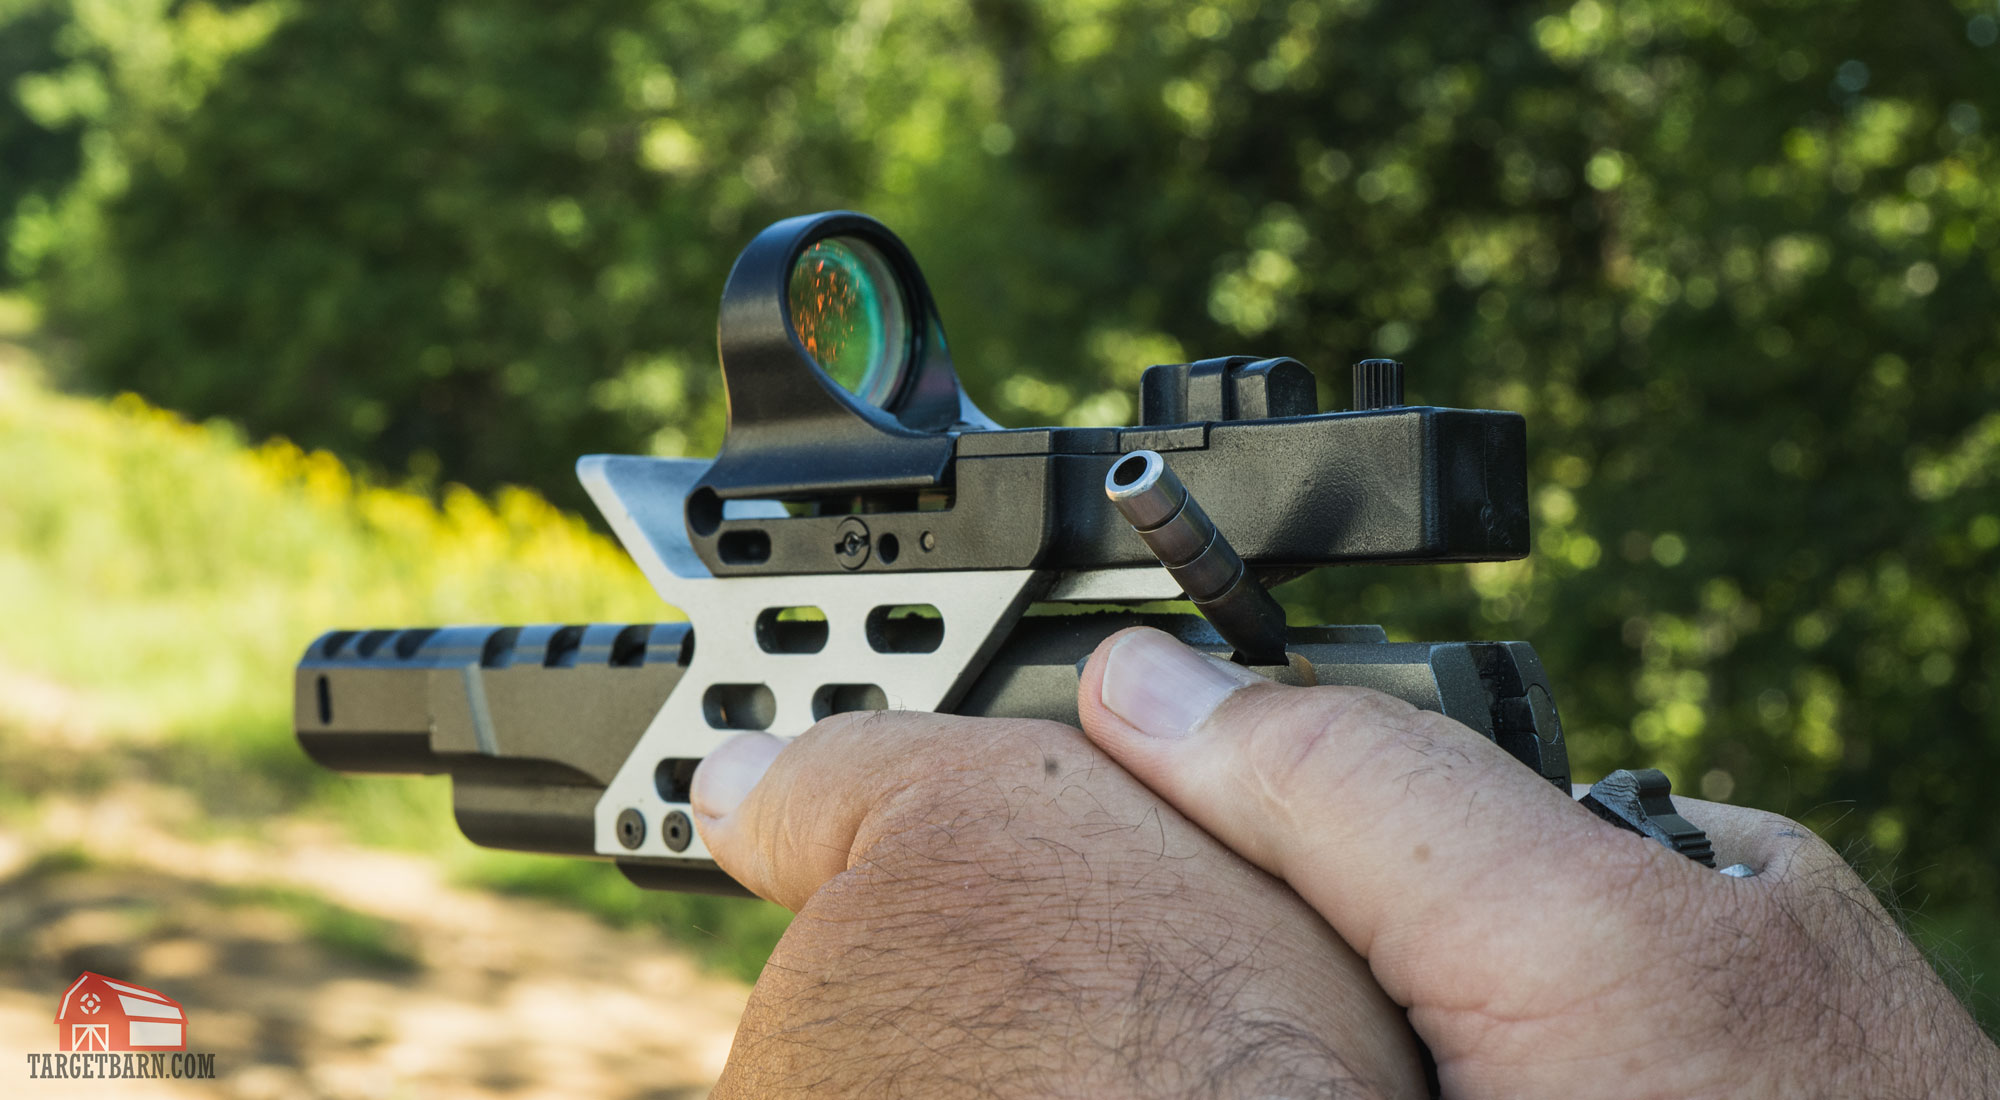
(867, 539)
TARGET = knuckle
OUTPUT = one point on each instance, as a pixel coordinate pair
(1314, 744)
(847, 726)
(919, 796)
(960, 787)
(1305, 750)
(1794, 856)
(1804, 848)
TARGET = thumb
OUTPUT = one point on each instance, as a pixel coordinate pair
(1395, 823)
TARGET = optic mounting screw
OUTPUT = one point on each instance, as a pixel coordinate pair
(632, 828)
(850, 543)
(677, 831)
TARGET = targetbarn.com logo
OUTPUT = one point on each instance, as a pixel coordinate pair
(106, 1028)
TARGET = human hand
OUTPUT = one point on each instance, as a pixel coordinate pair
(1540, 951)
(991, 907)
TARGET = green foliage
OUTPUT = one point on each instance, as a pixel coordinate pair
(171, 575)
(175, 574)
(40, 156)
(1734, 263)
(344, 211)
(1735, 259)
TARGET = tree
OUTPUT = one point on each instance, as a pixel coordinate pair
(1732, 259)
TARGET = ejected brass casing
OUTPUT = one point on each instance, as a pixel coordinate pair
(1166, 516)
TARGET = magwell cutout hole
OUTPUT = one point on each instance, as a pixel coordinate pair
(739, 706)
(905, 628)
(791, 630)
(841, 698)
(750, 547)
(674, 778)
(326, 702)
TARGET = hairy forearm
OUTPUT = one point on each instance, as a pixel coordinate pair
(1851, 1006)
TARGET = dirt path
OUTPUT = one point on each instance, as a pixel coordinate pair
(312, 967)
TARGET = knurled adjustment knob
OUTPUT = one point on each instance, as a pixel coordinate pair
(1378, 384)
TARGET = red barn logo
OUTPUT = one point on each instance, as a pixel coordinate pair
(100, 1014)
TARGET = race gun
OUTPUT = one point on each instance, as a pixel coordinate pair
(867, 539)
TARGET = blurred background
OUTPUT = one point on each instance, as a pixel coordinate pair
(306, 311)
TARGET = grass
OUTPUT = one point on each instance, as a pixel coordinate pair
(733, 935)
(172, 573)
(344, 933)
(166, 575)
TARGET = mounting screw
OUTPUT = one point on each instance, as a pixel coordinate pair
(632, 828)
(928, 541)
(850, 543)
(677, 831)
